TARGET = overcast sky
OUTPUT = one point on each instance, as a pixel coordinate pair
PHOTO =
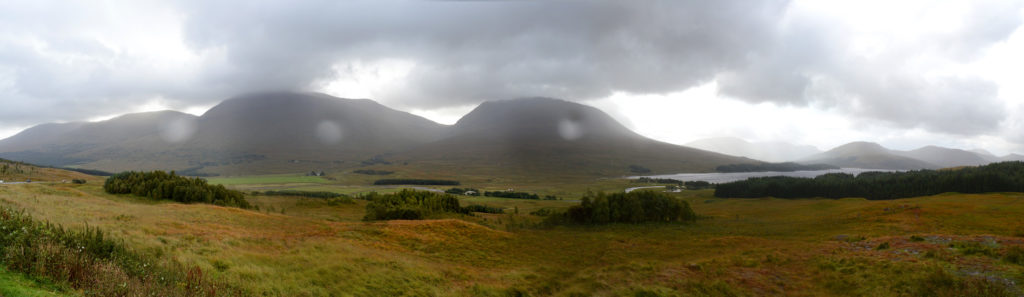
(902, 73)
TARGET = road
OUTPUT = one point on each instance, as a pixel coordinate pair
(647, 187)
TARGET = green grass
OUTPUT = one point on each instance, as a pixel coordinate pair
(15, 285)
(268, 179)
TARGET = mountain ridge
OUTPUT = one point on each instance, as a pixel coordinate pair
(276, 132)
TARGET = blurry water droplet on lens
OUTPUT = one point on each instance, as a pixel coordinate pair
(569, 129)
(328, 132)
(177, 130)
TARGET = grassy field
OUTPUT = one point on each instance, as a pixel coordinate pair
(14, 284)
(944, 245)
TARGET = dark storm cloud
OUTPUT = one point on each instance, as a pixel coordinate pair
(471, 51)
(55, 64)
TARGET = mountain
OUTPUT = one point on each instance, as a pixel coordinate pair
(541, 136)
(1012, 157)
(945, 157)
(255, 133)
(867, 155)
(765, 151)
(294, 132)
(70, 143)
(984, 154)
(309, 124)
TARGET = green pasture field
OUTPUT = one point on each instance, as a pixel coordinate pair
(17, 285)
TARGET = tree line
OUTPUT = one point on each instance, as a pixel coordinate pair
(996, 177)
(518, 195)
(170, 186)
(781, 167)
(417, 205)
(463, 191)
(690, 185)
(632, 207)
(411, 181)
(652, 180)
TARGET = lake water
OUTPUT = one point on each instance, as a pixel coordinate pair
(720, 177)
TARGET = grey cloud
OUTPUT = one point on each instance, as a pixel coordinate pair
(468, 52)
(811, 63)
(465, 52)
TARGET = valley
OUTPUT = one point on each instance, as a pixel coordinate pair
(170, 148)
(288, 239)
(295, 246)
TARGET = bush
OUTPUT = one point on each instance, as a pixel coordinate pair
(461, 191)
(1015, 255)
(78, 181)
(340, 200)
(163, 186)
(409, 205)
(94, 264)
(515, 195)
(632, 207)
(482, 208)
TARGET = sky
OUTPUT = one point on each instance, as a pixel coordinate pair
(901, 73)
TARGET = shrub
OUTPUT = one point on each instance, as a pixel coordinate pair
(1015, 255)
(632, 207)
(409, 205)
(78, 181)
(482, 208)
(93, 263)
(461, 191)
(163, 186)
(515, 195)
(340, 200)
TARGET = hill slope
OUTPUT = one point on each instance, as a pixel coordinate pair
(541, 136)
(867, 155)
(945, 157)
(73, 143)
(256, 133)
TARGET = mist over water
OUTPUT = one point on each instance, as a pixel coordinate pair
(725, 177)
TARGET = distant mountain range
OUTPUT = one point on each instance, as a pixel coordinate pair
(857, 154)
(283, 132)
(764, 151)
(874, 156)
(295, 132)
